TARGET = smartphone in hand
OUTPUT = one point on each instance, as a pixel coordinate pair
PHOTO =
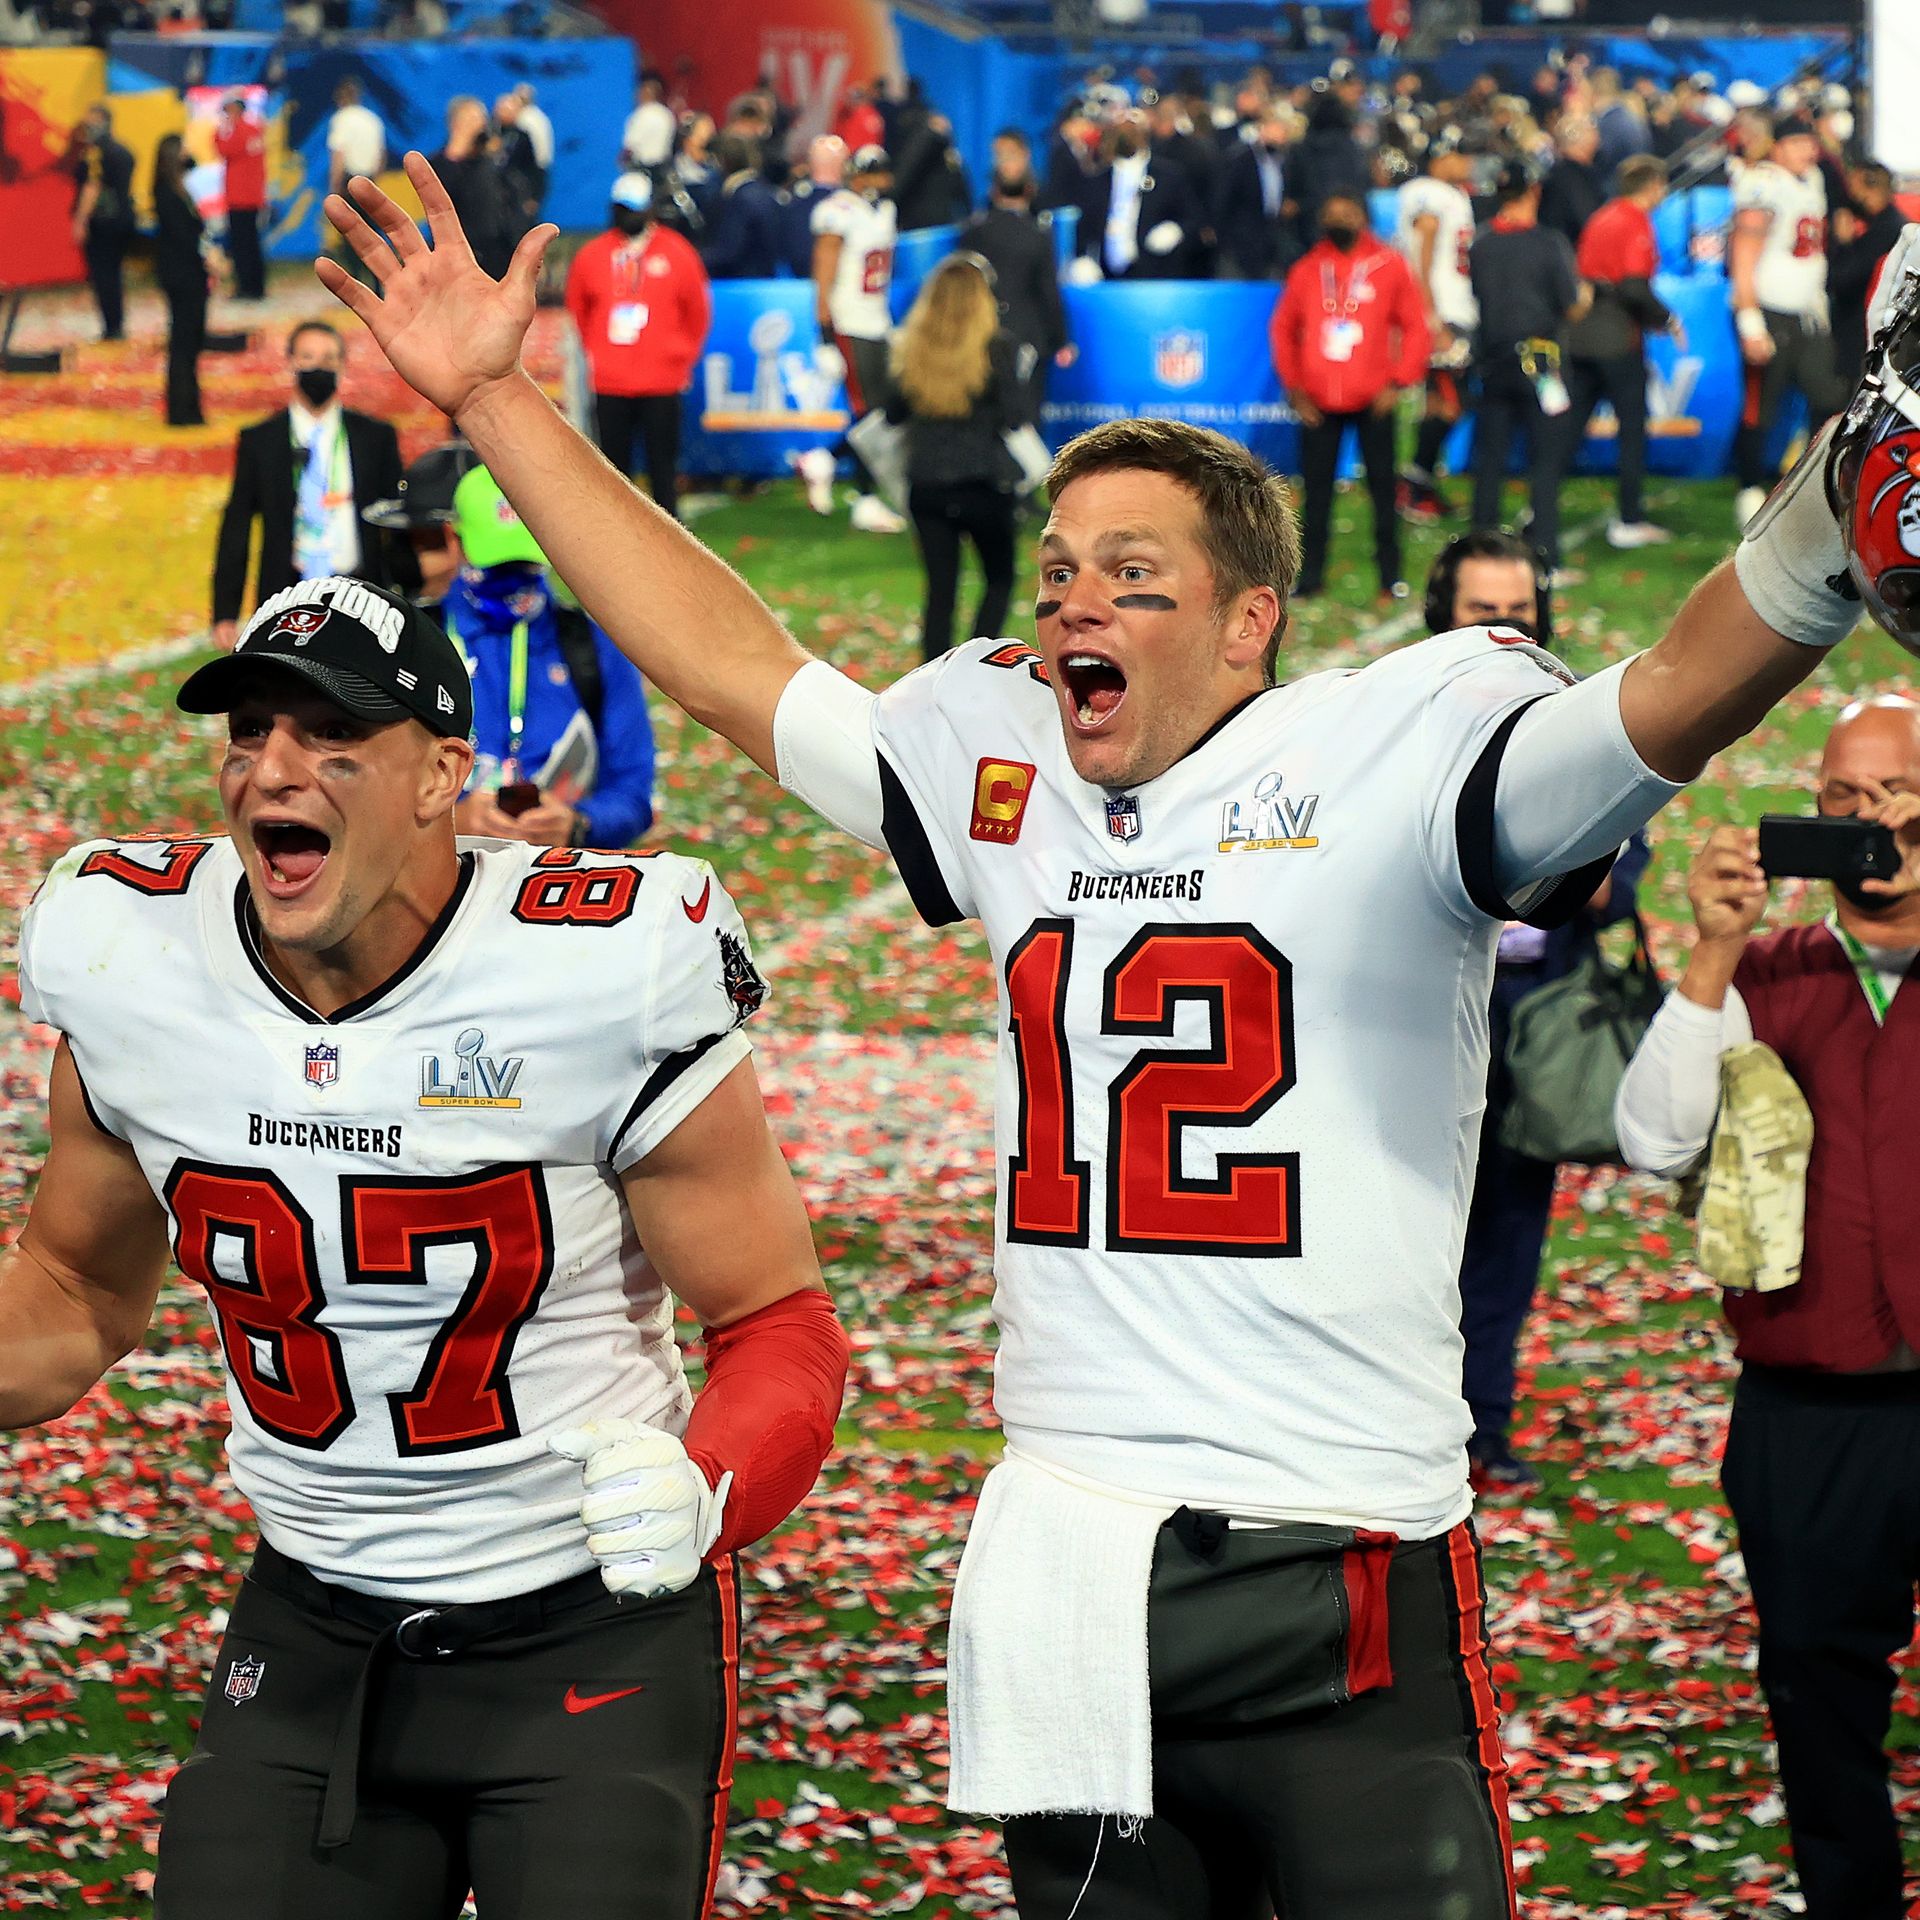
(1826, 846)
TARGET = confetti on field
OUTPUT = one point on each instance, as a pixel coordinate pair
(1643, 1782)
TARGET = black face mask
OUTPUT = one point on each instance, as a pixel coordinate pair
(631, 220)
(1345, 238)
(317, 385)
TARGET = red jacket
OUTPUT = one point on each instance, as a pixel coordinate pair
(1349, 325)
(1858, 1294)
(244, 148)
(1618, 244)
(643, 310)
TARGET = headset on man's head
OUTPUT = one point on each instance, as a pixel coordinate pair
(1487, 543)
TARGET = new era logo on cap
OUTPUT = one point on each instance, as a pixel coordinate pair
(366, 649)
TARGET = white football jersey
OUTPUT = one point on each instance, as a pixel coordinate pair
(857, 300)
(1243, 1060)
(407, 1217)
(1452, 285)
(1791, 273)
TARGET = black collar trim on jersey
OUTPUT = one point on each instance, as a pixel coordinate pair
(1227, 719)
(249, 927)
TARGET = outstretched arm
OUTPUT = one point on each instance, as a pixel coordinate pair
(454, 333)
(78, 1287)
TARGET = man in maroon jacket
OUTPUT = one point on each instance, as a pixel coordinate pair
(1349, 335)
(1823, 1454)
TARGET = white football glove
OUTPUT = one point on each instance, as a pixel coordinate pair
(1902, 263)
(649, 1513)
(1161, 238)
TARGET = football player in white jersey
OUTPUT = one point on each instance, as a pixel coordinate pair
(1777, 279)
(442, 1127)
(1434, 230)
(854, 229)
(1224, 1583)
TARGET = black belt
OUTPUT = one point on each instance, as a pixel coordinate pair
(413, 1632)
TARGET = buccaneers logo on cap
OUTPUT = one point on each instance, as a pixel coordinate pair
(302, 622)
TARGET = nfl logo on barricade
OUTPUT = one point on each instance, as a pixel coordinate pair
(1180, 359)
(1123, 817)
(243, 1680)
(323, 1065)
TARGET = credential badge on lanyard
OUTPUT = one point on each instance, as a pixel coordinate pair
(1340, 324)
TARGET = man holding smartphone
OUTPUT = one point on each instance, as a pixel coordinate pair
(1823, 1453)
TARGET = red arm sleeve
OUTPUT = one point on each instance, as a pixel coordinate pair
(1283, 332)
(1416, 343)
(766, 1414)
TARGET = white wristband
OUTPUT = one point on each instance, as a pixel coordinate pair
(1751, 323)
(1791, 550)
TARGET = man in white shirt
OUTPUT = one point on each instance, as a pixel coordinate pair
(1434, 229)
(539, 128)
(1226, 1267)
(651, 126)
(356, 143)
(1777, 278)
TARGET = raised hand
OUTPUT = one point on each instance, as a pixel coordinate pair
(1900, 813)
(447, 326)
(1726, 887)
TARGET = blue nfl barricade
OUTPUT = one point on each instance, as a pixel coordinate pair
(1171, 349)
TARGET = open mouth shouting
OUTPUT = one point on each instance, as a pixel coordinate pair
(291, 856)
(1095, 688)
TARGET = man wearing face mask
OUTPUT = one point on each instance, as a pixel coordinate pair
(1349, 336)
(639, 295)
(306, 473)
(1141, 212)
(1825, 1435)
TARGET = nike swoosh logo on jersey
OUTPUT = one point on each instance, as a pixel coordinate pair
(696, 910)
(578, 1702)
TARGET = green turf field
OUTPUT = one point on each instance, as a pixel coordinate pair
(1642, 1783)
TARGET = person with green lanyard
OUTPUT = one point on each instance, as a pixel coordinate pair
(562, 738)
(1822, 1466)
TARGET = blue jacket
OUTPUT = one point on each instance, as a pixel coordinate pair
(745, 237)
(481, 610)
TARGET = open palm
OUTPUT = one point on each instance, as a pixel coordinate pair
(446, 325)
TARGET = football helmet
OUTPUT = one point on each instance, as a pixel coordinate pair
(1873, 468)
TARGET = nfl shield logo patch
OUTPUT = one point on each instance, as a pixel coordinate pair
(1180, 358)
(243, 1680)
(1123, 816)
(323, 1065)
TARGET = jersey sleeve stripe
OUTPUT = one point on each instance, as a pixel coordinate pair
(1551, 905)
(913, 855)
(658, 1081)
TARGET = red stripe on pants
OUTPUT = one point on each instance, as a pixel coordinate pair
(1470, 1609)
(856, 400)
(1750, 401)
(730, 1734)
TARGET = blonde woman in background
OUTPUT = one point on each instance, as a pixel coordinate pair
(953, 385)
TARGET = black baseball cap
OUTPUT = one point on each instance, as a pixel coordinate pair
(370, 652)
(425, 498)
(1787, 125)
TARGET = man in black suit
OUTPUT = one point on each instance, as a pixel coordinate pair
(307, 473)
(1575, 189)
(1142, 214)
(1019, 248)
(1256, 218)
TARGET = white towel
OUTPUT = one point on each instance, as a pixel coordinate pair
(1047, 1659)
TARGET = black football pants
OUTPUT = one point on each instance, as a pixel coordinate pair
(1822, 1472)
(1381, 1803)
(1802, 360)
(574, 1758)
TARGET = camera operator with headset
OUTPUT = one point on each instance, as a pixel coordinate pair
(1493, 578)
(1823, 1453)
